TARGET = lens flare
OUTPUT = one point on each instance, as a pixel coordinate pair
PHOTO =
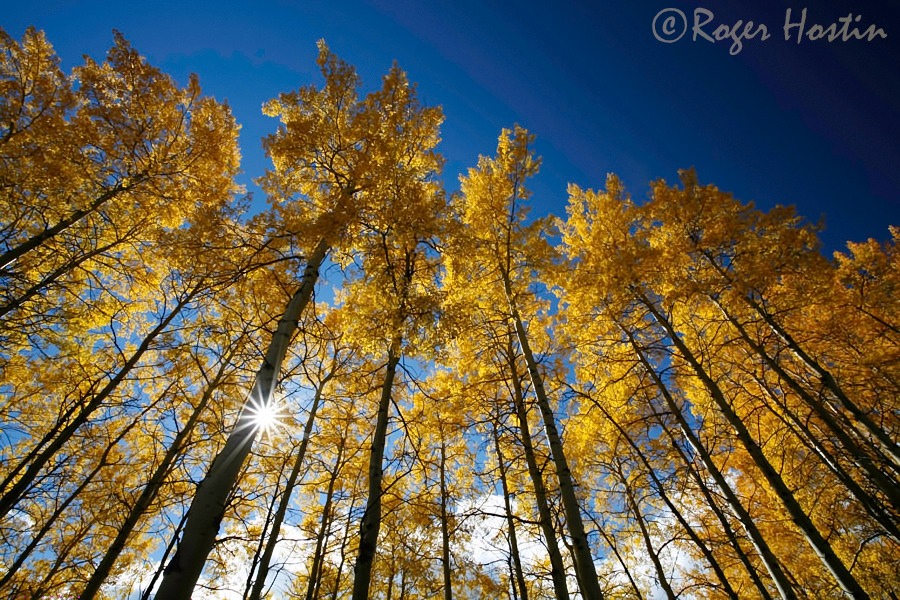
(266, 416)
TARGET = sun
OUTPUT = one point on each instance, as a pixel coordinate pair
(266, 416)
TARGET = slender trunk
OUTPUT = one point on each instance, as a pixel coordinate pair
(371, 520)
(611, 542)
(209, 503)
(36, 289)
(36, 240)
(336, 588)
(557, 568)
(645, 535)
(445, 525)
(510, 521)
(584, 561)
(813, 537)
(263, 538)
(152, 488)
(315, 571)
(804, 433)
(266, 559)
(56, 439)
(390, 579)
(48, 523)
(734, 503)
(170, 547)
(69, 543)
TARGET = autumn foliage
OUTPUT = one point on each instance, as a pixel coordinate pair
(677, 396)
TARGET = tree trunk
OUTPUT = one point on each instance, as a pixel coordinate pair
(371, 520)
(885, 483)
(730, 534)
(660, 488)
(336, 588)
(584, 561)
(645, 535)
(557, 567)
(510, 521)
(884, 439)
(59, 510)
(8, 257)
(445, 525)
(315, 571)
(208, 507)
(59, 435)
(151, 490)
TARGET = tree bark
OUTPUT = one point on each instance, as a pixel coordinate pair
(151, 490)
(762, 548)
(645, 535)
(557, 567)
(315, 571)
(371, 520)
(8, 257)
(445, 525)
(59, 435)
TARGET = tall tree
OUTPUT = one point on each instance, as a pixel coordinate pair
(507, 255)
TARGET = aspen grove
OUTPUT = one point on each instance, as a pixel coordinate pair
(378, 387)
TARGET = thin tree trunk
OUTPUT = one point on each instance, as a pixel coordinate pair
(209, 503)
(263, 538)
(660, 488)
(445, 525)
(645, 535)
(886, 484)
(336, 588)
(611, 542)
(557, 567)
(36, 240)
(371, 520)
(584, 561)
(48, 523)
(266, 559)
(883, 438)
(804, 433)
(510, 521)
(50, 278)
(721, 517)
(818, 543)
(315, 571)
(165, 557)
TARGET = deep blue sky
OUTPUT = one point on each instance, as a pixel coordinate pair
(814, 124)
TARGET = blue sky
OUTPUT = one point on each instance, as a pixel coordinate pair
(814, 124)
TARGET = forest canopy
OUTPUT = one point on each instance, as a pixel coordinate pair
(378, 387)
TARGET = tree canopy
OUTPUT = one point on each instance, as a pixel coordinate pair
(377, 387)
